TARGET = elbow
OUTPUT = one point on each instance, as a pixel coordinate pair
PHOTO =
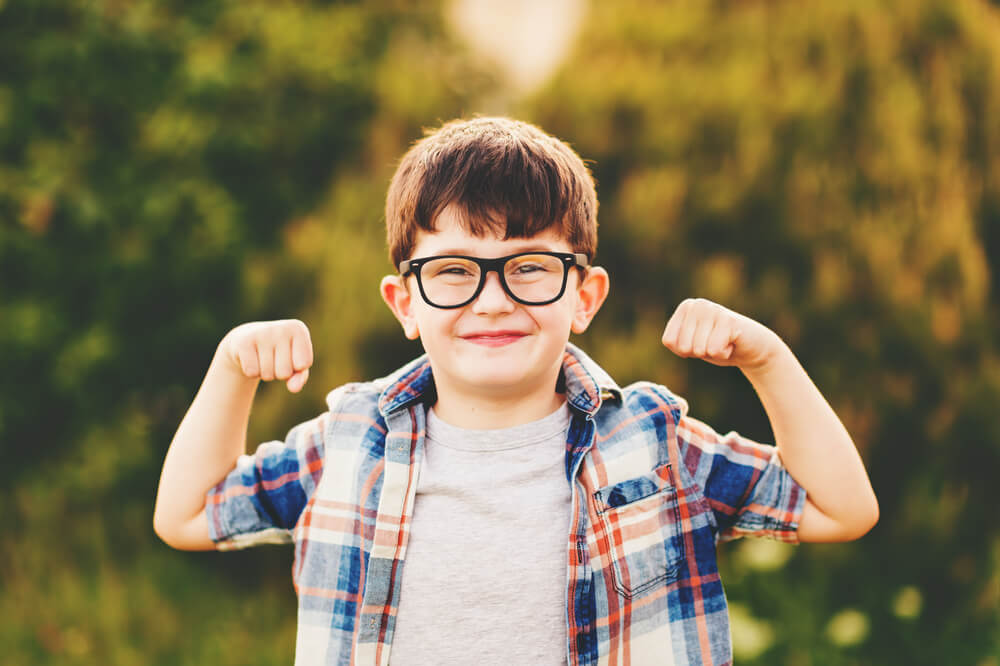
(168, 531)
(873, 515)
(865, 520)
(181, 533)
(851, 524)
(162, 529)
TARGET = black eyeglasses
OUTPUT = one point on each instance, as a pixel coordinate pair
(529, 278)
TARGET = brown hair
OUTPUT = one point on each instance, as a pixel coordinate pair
(504, 176)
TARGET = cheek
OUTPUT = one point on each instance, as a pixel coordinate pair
(556, 320)
(436, 323)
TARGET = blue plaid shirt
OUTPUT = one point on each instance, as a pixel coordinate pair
(653, 491)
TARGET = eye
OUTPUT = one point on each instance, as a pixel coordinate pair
(450, 268)
(533, 265)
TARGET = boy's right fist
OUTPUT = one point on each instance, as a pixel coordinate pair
(271, 350)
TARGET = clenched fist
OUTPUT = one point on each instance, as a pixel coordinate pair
(705, 330)
(271, 350)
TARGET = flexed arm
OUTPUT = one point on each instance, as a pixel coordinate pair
(814, 445)
(213, 433)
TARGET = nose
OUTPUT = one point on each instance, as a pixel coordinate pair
(492, 298)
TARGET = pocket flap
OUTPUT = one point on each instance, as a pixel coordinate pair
(633, 490)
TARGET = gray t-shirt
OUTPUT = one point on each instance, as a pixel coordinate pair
(484, 579)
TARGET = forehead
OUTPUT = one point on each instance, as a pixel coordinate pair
(451, 237)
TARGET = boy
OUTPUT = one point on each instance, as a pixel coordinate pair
(540, 513)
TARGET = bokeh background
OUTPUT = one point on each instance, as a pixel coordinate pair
(169, 169)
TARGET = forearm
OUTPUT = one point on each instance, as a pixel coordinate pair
(208, 441)
(815, 447)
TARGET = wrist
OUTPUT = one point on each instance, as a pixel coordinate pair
(225, 363)
(777, 360)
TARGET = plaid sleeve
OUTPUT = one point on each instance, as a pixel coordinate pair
(746, 486)
(260, 500)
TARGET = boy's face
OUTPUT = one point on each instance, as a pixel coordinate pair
(494, 346)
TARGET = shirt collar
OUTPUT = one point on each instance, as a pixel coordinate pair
(587, 385)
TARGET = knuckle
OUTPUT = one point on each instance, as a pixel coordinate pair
(291, 328)
(246, 365)
(268, 327)
(263, 348)
(238, 340)
(706, 305)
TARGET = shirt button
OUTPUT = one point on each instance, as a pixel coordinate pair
(373, 623)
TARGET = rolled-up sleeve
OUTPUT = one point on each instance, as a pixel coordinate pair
(748, 489)
(261, 499)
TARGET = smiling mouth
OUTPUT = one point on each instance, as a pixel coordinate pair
(493, 339)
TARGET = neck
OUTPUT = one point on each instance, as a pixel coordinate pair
(479, 412)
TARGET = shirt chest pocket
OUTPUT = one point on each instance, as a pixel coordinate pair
(639, 529)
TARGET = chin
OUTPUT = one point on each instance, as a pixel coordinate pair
(499, 376)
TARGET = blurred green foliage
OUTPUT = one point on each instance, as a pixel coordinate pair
(835, 173)
(170, 169)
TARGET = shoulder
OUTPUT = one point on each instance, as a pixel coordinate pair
(408, 383)
(353, 396)
(352, 419)
(641, 416)
(650, 398)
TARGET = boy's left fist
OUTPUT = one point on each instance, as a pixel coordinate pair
(705, 330)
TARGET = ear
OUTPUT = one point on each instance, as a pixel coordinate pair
(590, 296)
(397, 297)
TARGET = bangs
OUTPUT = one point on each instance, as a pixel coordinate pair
(508, 194)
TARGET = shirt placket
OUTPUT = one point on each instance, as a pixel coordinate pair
(395, 508)
(581, 643)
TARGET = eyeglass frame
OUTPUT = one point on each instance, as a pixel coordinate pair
(486, 266)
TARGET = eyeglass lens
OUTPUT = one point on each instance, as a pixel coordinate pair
(534, 278)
